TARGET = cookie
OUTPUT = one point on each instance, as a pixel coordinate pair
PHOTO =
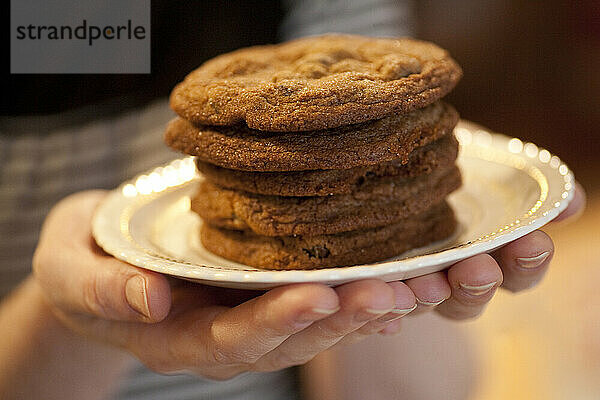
(440, 154)
(378, 202)
(316, 83)
(348, 248)
(370, 143)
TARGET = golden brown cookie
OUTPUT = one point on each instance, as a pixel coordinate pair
(348, 248)
(373, 142)
(440, 154)
(379, 202)
(316, 83)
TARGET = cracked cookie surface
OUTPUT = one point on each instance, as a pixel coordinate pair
(316, 83)
(323, 251)
(379, 202)
(369, 143)
(440, 154)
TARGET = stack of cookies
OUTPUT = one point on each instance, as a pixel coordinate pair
(321, 152)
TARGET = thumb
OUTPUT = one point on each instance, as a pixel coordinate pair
(78, 276)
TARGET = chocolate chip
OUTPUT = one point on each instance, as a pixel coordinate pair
(317, 252)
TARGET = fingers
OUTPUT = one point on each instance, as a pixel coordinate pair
(392, 328)
(525, 261)
(389, 323)
(430, 290)
(404, 303)
(247, 332)
(78, 276)
(283, 327)
(220, 342)
(473, 282)
(576, 206)
(518, 265)
(360, 302)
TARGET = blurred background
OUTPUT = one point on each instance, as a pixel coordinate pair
(530, 70)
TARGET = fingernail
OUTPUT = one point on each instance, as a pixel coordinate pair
(369, 314)
(477, 290)
(326, 311)
(430, 303)
(396, 313)
(533, 262)
(135, 293)
(316, 314)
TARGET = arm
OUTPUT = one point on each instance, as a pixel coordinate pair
(67, 366)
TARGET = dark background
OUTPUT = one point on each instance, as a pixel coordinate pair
(183, 35)
(531, 68)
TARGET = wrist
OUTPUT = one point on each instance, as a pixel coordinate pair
(44, 312)
(41, 357)
(58, 324)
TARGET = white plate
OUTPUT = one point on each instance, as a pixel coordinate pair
(510, 188)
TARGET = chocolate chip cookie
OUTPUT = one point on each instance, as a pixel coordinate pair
(321, 152)
(322, 251)
(378, 202)
(369, 143)
(440, 154)
(316, 83)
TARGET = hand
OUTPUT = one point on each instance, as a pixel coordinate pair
(219, 333)
(174, 326)
(464, 290)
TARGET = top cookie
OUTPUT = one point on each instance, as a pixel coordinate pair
(316, 83)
